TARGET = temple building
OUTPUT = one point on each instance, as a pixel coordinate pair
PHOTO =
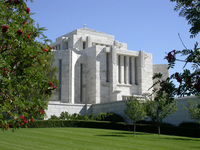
(95, 68)
(98, 74)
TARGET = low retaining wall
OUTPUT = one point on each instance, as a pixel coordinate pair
(55, 108)
(181, 115)
(115, 106)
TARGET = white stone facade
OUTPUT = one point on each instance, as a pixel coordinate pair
(94, 68)
(97, 74)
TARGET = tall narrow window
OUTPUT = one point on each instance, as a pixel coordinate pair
(66, 45)
(84, 45)
(119, 70)
(136, 72)
(130, 71)
(81, 83)
(107, 67)
(125, 69)
(60, 79)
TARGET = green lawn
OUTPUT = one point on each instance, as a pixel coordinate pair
(91, 139)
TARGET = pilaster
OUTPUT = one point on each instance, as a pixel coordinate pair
(122, 69)
(127, 70)
(133, 71)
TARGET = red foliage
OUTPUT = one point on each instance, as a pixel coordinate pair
(4, 28)
(28, 10)
(178, 78)
(44, 49)
(42, 111)
(170, 56)
(19, 32)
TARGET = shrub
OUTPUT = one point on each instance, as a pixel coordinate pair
(53, 117)
(101, 117)
(169, 130)
(112, 117)
(91, 117)
(81, 117)
(64, 116)
(189, 125)
(74, 116)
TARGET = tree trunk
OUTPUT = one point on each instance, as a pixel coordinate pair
(134, 128)
(158, 129)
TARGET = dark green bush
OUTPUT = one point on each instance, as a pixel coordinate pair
(189, 125)
(112, 117)
(64, 116)
(169, 130)
(101, 117)
(82, 117)
(153, 123)
(53, 117)
(91, 117)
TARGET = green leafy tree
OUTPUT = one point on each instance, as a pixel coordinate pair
(188, 80)
(135, 110)
(159, 108)
(190, 10)
(27, 77)
(194, 110)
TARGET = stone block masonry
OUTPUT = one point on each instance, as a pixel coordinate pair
(95, 68)
(181, 115)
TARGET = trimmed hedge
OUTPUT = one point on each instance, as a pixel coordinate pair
(189, 124)
(169, 130)
(112, 117)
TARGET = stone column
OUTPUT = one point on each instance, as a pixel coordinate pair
(127, 70)
(133, 70)
(89, 42)
(122, 69)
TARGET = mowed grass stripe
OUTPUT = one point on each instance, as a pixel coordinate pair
(87, 138)
(94, 139)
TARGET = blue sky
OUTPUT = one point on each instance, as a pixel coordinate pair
(149, 25)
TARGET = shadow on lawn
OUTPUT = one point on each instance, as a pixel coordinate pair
(182, 139)
(111, 135)
(121, 134)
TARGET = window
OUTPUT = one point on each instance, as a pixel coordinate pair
(60, 79)
(119, 70)
(66, 45)
(136, 76)
(81, 83)
(84, 45)
(107, 67)
(125, 69)
(130, 71)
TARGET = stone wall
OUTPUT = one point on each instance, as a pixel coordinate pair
(55, 108)
(181, 115)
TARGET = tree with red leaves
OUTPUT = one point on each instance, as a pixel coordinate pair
(25, 66)
(189, 79)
